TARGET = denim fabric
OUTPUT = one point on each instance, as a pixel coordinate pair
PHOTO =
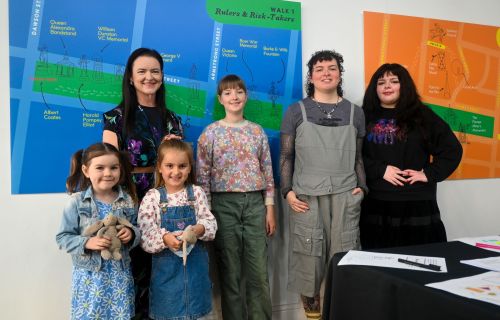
(241, 250)
(179, 292)
(81, 212)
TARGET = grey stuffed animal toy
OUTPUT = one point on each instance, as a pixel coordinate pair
(109, 226)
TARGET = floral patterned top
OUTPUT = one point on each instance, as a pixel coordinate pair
(235, 158)
(149, 219)
(143, 142)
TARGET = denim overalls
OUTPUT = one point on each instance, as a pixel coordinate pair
(178, 292)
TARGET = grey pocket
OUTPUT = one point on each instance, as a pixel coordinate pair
(307, 240)
(350, 232)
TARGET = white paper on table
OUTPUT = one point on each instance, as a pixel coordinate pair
(492, 263)
(484, 287)
(473, 240)
(390, 260)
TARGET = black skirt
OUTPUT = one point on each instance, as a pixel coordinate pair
(386, 224)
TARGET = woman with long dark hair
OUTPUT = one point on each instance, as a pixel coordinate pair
(407, 150)
(138, 125)
(141, 121)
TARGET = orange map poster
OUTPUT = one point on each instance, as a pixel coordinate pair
(456, 67)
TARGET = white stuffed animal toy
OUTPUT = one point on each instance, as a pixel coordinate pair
(188, 237)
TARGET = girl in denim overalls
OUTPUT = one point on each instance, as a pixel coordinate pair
(101, 289)
(174, 211)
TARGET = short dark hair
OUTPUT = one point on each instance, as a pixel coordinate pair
(320, 56)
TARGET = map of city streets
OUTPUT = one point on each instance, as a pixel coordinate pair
(456, 67)
(67, 60)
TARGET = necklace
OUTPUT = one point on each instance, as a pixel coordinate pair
(329, 113)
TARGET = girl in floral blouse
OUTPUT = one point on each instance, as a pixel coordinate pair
(234, 168)
(173, 212)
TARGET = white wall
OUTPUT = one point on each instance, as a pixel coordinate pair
(468, 206)
(35, 276)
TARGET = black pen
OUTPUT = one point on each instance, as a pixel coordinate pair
(429, 266)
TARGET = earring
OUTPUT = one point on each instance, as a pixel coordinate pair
(131, 83)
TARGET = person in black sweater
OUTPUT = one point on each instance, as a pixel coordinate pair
(407, 150)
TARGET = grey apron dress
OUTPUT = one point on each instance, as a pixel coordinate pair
(324, 177)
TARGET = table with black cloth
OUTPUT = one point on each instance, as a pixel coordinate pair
(366, 292)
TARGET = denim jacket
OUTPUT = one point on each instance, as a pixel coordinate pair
(79, 213)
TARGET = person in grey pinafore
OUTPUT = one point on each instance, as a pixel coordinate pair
(322, 176)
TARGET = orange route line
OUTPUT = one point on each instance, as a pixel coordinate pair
(385, 39)
(488, 92)
(423, 65)
(498, 90)
(497, 104)
(494, 143)
(460, 51)
(481, 83)
(483, 163)
(479, 48)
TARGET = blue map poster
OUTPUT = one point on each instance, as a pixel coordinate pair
(67, 60)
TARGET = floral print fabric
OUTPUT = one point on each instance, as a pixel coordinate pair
(235, 158)
(150, 212)
(107, 294)
(143, 142)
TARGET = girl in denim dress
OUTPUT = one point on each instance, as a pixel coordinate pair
(173, 212)
(100, 184)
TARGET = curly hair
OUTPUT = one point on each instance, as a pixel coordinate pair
(320, 56)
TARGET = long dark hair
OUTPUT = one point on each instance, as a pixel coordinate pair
(320, 56)
(129, 96)
(77, 181)
(180, 146)
(410, 111)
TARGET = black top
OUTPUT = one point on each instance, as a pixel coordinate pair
(385, 145)
(143, 142)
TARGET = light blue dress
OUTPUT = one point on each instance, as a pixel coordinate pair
(105, 294)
